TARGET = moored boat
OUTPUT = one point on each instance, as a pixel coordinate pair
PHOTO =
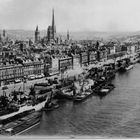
(20, 123)
(104, 90)
(29, 104)
(129, 67)
(83, 90)
(24, 108)
(82, 96)
(65, 93)
(51, 106)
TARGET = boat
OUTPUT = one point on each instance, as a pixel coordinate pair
(126, 68)
(24, 108)
(105, 90)
(20, 123)
(35, 104)
(82, 96)
(65, 92)
(5, 107)
(129, 67)
(83, 91)
(50, 106)
(41, 84)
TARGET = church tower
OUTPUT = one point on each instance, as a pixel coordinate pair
(0, 37)
(53, 25)
(4, 33)
(37, 35)
(68, 36)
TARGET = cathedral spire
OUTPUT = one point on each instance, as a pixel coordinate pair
(36, 28)
(53, 19)
(53, 25)
(37, 34)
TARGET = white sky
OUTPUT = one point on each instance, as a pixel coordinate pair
(73, 15)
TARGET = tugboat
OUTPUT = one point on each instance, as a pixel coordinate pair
(65, 93)
(84, 95)
(103, 91)
(121, 66)
(129, 67)
(84, 91)
(50, 105)
(65, 89)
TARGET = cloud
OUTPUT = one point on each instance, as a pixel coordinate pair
(106, 15)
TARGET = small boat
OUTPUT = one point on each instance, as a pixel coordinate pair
(129, 67)
(83, 96)
(50, 106)
(105, 90)
(65, 93)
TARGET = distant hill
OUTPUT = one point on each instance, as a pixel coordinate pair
(83, 35)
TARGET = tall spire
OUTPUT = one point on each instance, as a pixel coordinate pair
(36, 28)
(53, 19)
(53, 25)
(37, 34)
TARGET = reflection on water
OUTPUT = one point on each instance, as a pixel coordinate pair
(116, 115)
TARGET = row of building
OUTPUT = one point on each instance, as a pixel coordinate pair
(8, 73)
(55, 64)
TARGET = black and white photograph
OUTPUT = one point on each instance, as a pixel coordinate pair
(70, 69)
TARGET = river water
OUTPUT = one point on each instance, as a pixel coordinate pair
(116, 115)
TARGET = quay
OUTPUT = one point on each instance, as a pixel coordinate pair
(93, 79)
(110, 116)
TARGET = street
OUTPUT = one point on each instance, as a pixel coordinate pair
(20, 86)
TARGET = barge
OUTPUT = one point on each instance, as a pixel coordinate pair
(20, 123)
(104, 90)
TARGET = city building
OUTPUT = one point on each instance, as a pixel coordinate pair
(10, 72)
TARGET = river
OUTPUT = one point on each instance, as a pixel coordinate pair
(116, 115)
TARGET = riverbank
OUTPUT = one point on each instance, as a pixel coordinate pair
(116, 115)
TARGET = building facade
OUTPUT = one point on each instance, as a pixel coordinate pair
(8, 73)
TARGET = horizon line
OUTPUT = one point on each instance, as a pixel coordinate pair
(72, 31)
